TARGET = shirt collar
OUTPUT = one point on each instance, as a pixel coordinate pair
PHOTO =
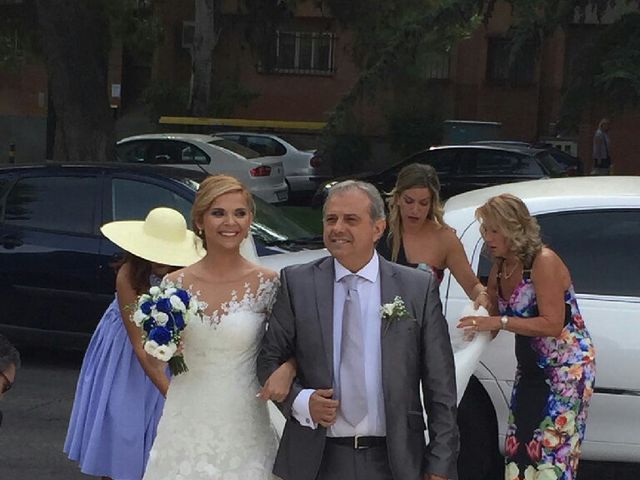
(369, 272)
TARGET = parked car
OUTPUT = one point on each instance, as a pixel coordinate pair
(571, 165)
(264, 176)
(465, 167)
(593, 223)
(303, 169)
(55, 271)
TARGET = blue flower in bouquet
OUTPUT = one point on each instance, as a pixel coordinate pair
(160, 335)
(178, 318)
(148, 325)
(163, 314)
(164, 305)
(184, 296)
(146, 307)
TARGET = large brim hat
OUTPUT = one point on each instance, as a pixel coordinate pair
(162, 237)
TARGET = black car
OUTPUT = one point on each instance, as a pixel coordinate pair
(55, 273)
(465, 167)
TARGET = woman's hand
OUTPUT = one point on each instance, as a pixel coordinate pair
(277, 386)
(480, 324)
(482, 300)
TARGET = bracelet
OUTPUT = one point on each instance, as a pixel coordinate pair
(504, 320)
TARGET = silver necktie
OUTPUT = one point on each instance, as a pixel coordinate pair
(353, 394)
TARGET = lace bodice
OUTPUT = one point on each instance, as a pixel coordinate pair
(213, 426)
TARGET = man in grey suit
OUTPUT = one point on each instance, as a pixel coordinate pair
(354, 409)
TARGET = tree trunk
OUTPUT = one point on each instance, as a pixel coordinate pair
(205, 39)
(75, 39)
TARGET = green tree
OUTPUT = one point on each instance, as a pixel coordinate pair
(74, 38)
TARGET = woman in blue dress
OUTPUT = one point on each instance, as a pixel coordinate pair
(120, 392)
(534, 298)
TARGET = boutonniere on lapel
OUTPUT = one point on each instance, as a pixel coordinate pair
(393, 311)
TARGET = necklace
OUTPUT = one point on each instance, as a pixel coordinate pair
(508, 275)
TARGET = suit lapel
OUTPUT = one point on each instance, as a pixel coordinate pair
(388, 286)
(388, 291)
(324, 278)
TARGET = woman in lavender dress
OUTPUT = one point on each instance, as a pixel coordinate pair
(119, 396)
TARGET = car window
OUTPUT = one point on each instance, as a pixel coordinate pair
(550, 163)
(132, 200)
(599, 247)
(132, 152)
(527, 166)
(235, 148)
(444, 161)
(175, 152)
(266, 146)
(495, 162)
(232, 137)
(64, 204)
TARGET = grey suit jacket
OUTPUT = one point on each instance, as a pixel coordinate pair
(413, 350)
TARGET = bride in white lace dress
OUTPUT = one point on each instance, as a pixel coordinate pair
(213, 425)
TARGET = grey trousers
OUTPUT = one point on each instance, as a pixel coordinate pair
(342, 462)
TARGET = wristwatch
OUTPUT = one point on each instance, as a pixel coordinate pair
(504, 320)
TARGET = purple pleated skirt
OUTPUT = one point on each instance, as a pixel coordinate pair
(116, 408)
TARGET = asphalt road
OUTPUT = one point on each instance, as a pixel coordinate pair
(36, 413)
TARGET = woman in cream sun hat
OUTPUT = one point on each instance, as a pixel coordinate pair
(161, 238)
(119, 397)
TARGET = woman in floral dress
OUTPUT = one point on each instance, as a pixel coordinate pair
(556, 360)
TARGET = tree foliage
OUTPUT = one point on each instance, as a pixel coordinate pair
(392, 36)
(607, 69)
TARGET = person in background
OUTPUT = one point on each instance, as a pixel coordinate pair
(418, 237)
(556, 359)
(119, 397)
(602, 149)
(9, 363)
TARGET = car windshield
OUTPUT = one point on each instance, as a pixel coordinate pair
(235, 148)
(273, 226)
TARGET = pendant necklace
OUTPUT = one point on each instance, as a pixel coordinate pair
(506, 275)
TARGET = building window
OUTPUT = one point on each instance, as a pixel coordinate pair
(303, 52)
(500, 71)
(437, 66)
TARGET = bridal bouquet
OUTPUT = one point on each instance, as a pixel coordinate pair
(163, 313)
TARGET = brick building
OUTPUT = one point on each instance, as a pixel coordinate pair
(313, 69)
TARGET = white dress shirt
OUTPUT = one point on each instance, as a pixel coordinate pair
(368, 285)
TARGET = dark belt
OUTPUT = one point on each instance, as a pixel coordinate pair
(359, 441)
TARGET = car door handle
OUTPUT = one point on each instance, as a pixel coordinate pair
(10, 242)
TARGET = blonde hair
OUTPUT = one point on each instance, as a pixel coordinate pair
(511, 217)
(416, 175)
(210, 189)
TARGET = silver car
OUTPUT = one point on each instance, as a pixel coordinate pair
(303, 169)
(263, 175)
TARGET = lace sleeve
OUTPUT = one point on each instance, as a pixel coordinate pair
(267, 291)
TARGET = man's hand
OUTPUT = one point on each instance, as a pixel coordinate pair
(323, 408)
(433, 476)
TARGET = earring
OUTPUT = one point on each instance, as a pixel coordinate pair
(200, 232)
